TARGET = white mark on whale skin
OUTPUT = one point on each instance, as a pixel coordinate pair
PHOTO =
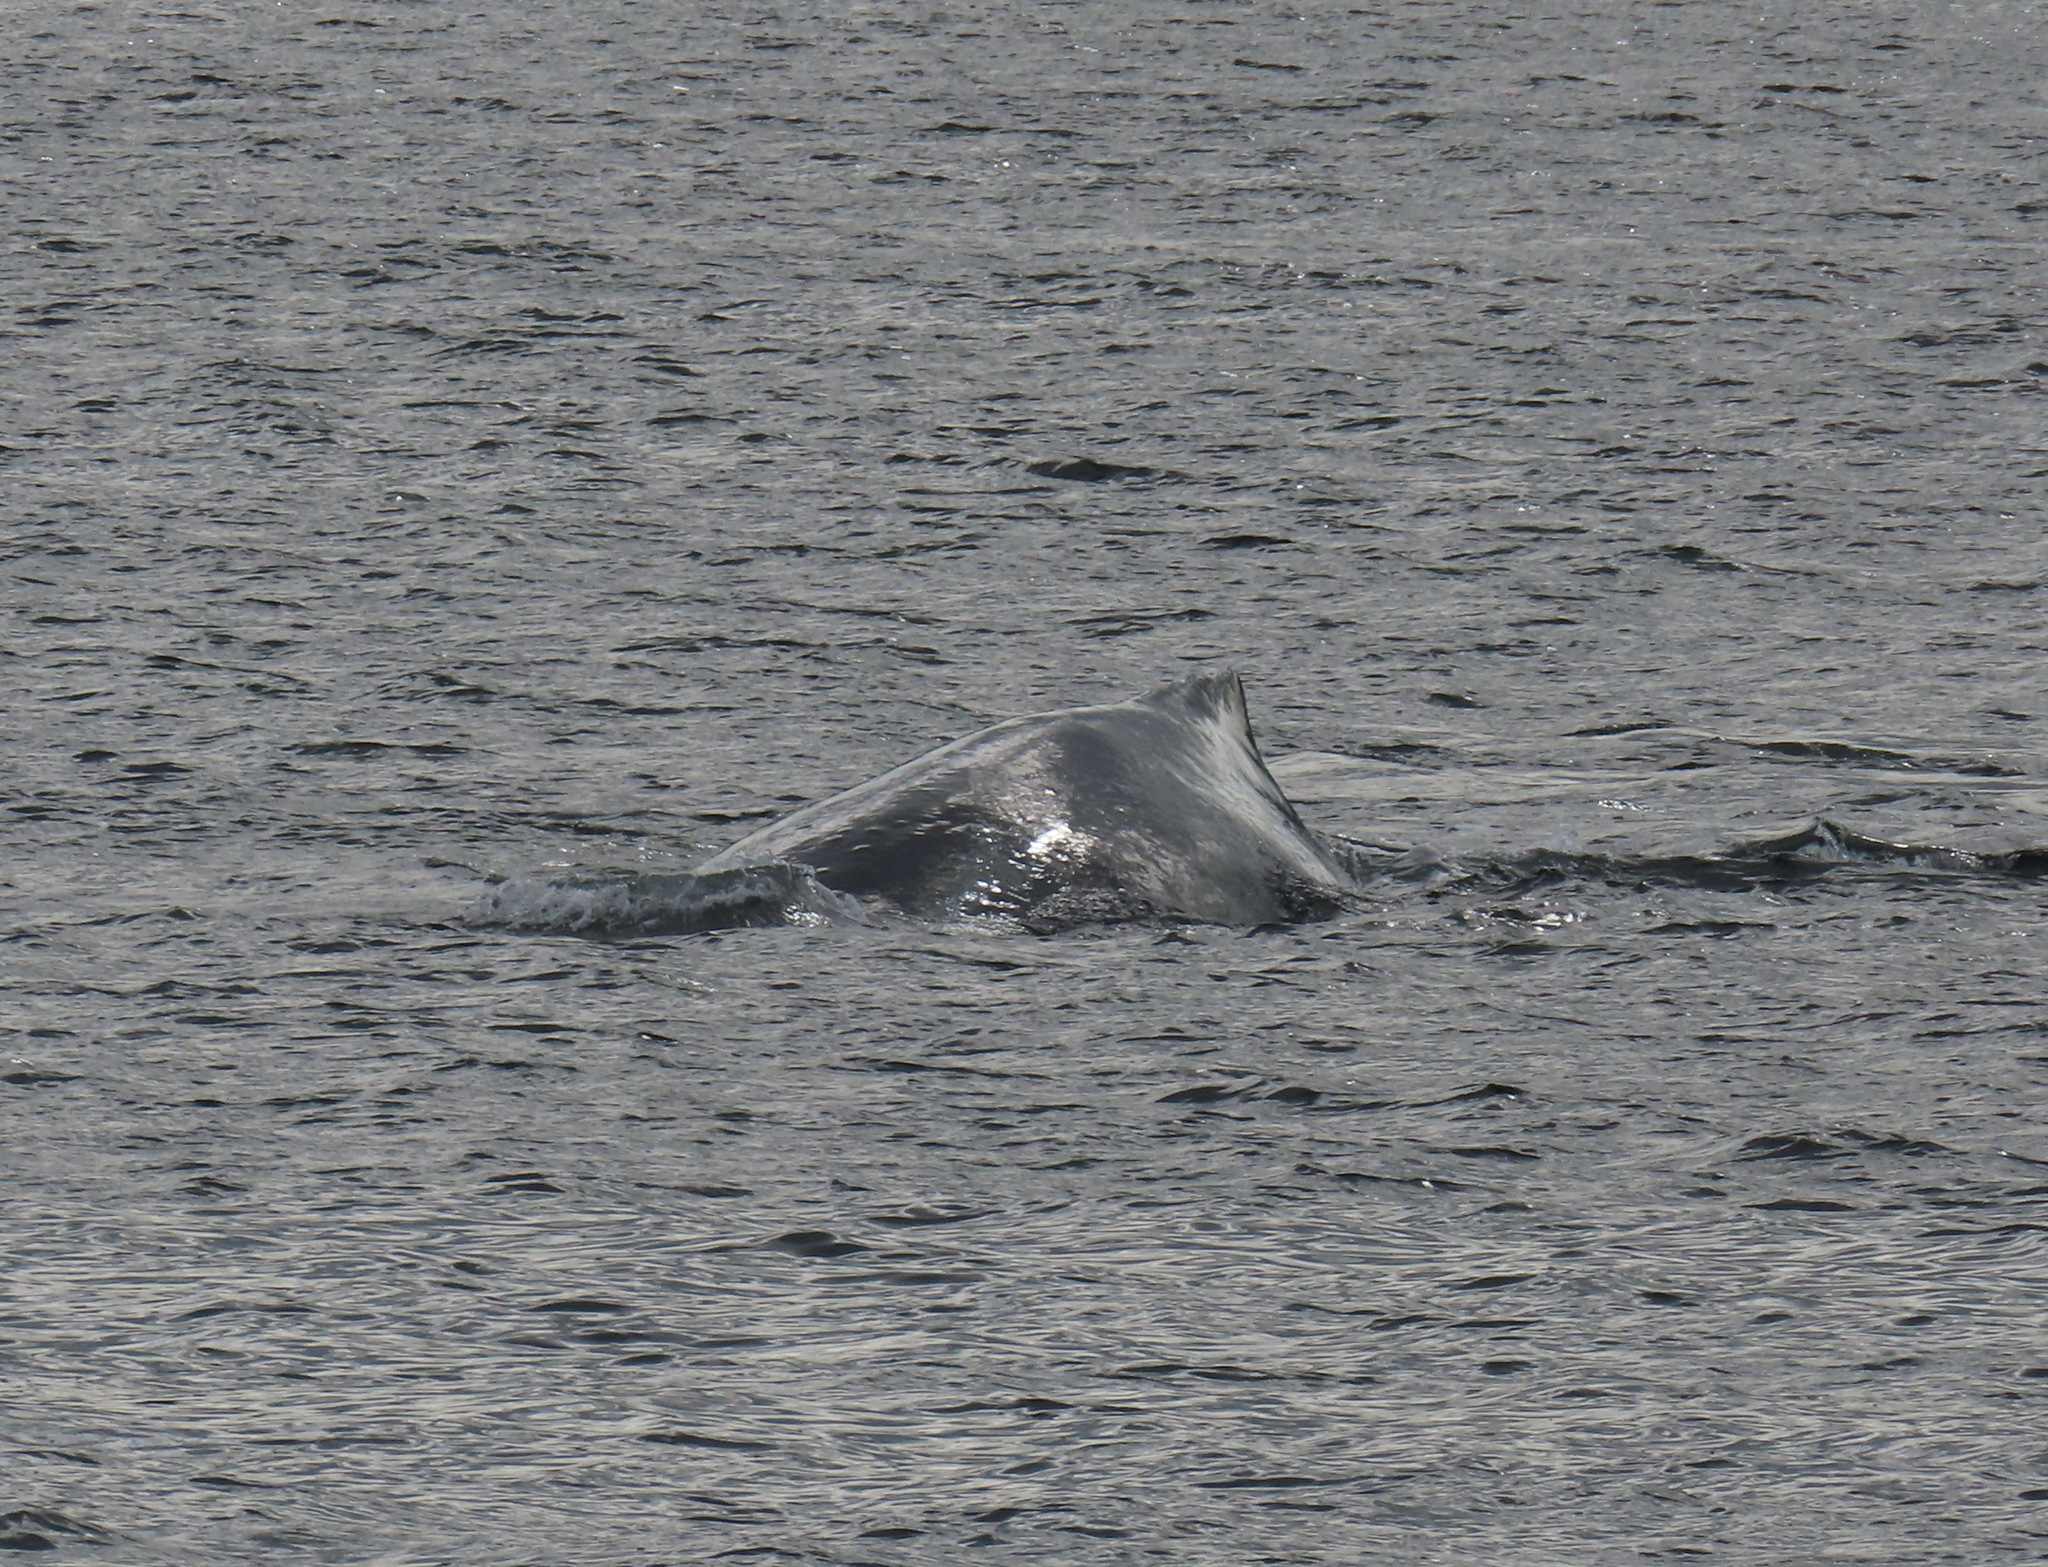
(1058, 835)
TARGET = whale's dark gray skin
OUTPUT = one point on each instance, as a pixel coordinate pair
(1159, 806)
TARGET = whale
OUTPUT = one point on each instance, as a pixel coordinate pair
(1158, 807)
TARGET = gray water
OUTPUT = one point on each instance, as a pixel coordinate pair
(451, 443)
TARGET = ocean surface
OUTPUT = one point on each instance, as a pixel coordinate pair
(448, 443)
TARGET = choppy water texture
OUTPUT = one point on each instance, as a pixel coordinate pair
(449, 442)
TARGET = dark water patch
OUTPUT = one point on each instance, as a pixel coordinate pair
(1791, 1146)
(1493, 1281)
(1247, 541)
(365, 750)
(1037, 1408)
(1204, 1094)
(1646, 726)
(1717, 928)
(814, 1243)
(1126, 623)
(701, 1439)
(1089, 470)
(1419, 1182)
(1473, 1095)
(1205, 1373)
(223, 1308)
(948, 1068)
(922, 1217)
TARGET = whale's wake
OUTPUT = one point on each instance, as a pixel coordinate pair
(1158, 809)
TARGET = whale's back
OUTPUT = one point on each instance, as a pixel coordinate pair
(1162, 804)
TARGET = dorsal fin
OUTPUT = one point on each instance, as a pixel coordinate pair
(1218, 696)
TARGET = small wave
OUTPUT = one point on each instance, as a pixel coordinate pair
(620, 903)
(1804, 855)
(1365, 862)
(1827, 843)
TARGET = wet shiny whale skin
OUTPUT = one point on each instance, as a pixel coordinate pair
(1159, 806)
